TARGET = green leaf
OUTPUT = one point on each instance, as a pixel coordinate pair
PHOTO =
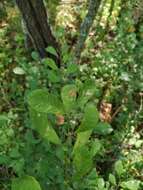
(125, 77)
(35, 55)
(41, 124)
(95, 147)
(51, 63)
(3, 120)
(25, 183)
(88, 90)
(69, 94)
(53, 76)
(18, 71)
(82, 162)
(90, 119)
(88, 123)
(41, 101)
(39, 121)
(51, 135)
(51, 50)
(72, 68)
(103, 128)
(91, 179)
(131, 184)
(100, 183)
(93, 174)
(119, 167)
(81, 140)
(112, 179)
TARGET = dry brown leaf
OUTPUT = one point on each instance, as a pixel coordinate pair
(60, 119)
(105, 112)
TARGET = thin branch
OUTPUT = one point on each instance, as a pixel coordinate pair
(110, 14)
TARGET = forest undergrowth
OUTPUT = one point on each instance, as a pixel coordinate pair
(48, 114)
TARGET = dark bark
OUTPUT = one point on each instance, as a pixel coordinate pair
(86, 25)
(36, 22)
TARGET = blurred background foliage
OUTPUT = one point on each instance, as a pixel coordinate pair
(112, 61)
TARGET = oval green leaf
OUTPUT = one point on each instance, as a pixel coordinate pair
(25, 183)
(131, 184)
(81, 140)
(103, 128)
(50, 62)
(119, 167)
(41, 124)
(51, 50)
(82, 162)
(41, 101)
(69, 94)
(90, 119)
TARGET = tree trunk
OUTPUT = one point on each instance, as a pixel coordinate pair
(39, 31)
(85, 27)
